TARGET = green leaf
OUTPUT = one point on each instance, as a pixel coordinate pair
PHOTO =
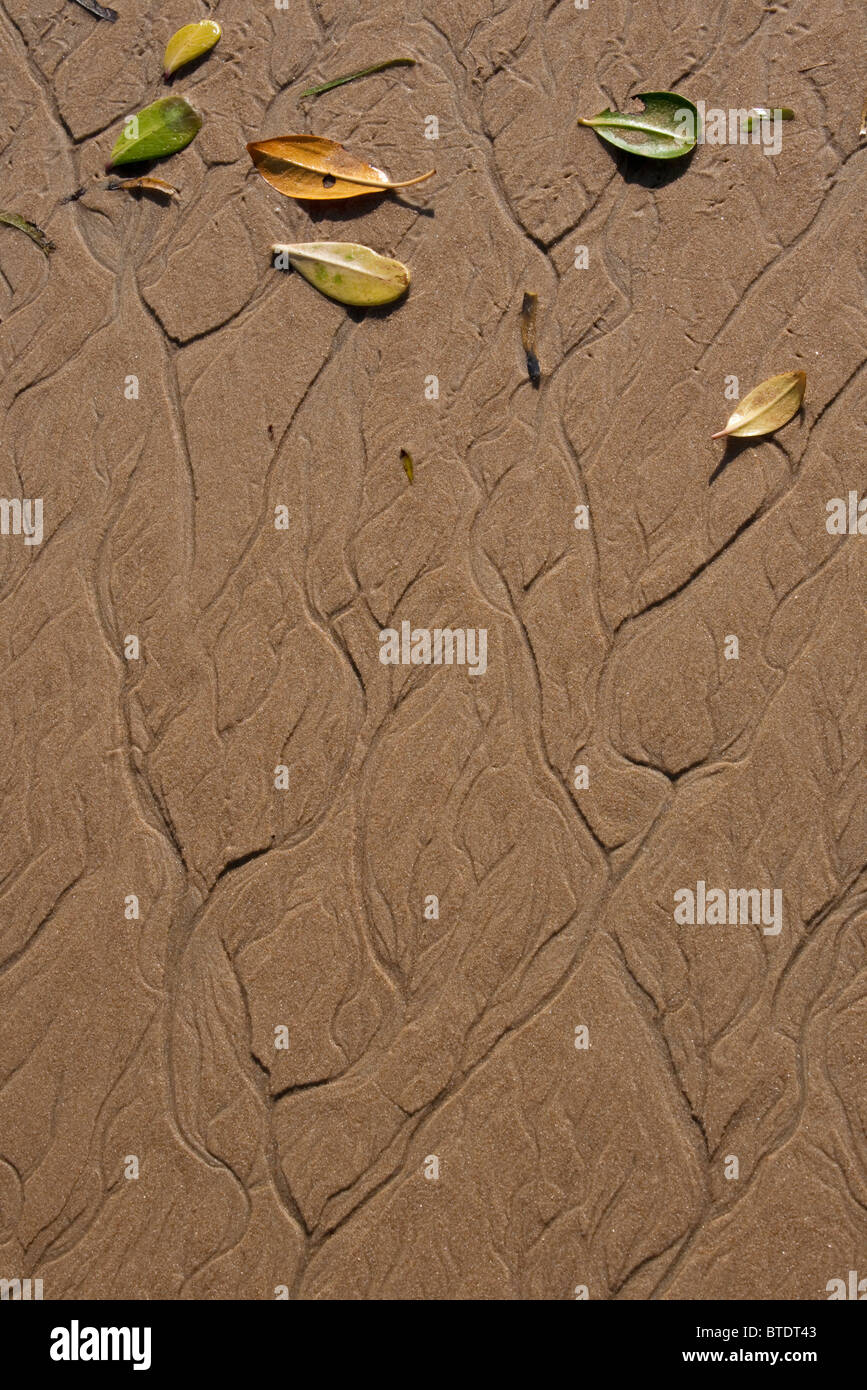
(365, 72)
(768, 113)
(13, 219)
(667, 128)
(345, 271)
(163, 128)
(190, 43)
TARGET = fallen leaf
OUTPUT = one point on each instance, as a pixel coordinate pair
(190, 43)
(163, 128)
(528, 335)
(101, 11)
(768, 113)
(146, 184)
(310, 166)
(767, 407)
(667, 128)
(345, 271)
(365, 72)
(35, 233)
(863, 130)
(406, 460)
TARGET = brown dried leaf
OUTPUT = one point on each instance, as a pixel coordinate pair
(310, 166)
(528, 335)
(146, 184)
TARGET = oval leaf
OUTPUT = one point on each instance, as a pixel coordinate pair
(767, 407)
(347, 272)
(667, 128)
(190, 43)
(163, 128)
(309, 166)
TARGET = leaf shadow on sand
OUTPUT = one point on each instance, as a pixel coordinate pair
(734, 447)
(651, 173)
(347, 209)
(186, 70)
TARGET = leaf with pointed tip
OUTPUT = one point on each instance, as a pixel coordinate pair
(667, 128)
(768, 113)
(13, 219)
(767, 407)
(310, 166)
(190, 43)
(163, 128)
(406, 460)
(347, 272)
(353, 76)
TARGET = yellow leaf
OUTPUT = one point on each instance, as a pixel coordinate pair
(190, 43)
(767, 406)
(310, 166)
(406, 460)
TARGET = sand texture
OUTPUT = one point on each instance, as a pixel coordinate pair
(337, 979)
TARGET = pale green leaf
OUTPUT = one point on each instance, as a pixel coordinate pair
(345, 271)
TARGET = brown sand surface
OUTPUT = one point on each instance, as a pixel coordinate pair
(335, 1051)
